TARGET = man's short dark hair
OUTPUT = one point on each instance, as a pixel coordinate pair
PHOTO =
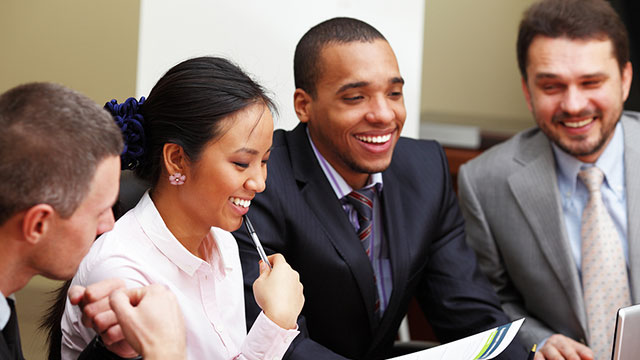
(574, 19)
(51, 142)
(340, 30)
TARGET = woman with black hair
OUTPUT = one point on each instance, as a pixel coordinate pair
(201, 140)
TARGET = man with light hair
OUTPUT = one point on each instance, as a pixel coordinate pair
(59, 152)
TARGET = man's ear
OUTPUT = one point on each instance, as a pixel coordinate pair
(174, 158)
(302, 104)
(627, 76)
(527, 94)
(37, 221)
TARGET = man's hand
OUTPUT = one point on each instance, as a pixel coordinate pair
(151, 321)
(278, 292)
(559, 347)
(97, 314)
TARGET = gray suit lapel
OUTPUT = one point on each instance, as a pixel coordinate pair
(631, 128)
(536, 192)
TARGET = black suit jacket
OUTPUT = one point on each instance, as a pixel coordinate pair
(10, 347)
(299, 216)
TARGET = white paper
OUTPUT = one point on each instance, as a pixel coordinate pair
(485, 345)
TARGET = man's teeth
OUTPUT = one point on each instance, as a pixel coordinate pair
(374, 139)
(240, 202)
(579, 123)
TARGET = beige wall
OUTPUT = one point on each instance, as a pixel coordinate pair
(470, 75)
(90, 46)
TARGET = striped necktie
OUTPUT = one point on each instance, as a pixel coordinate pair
(605, 283)
(362, 202)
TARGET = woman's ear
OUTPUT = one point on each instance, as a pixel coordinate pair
(37, 221)
(174, 158)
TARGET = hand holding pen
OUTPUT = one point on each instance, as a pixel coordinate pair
(256, 240)
(277, 290)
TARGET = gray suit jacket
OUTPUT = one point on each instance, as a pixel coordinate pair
(509, 198)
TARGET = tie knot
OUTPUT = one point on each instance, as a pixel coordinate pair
(592, 178)
(362, 201)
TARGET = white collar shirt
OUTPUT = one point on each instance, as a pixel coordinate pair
(5, 311)
(142, 251)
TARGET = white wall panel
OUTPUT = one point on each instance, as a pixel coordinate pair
(261, 36)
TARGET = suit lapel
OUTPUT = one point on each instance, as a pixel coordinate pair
(535, 189)
(399, 247)
(5, 353)
(331, 218)
(632, 183)
(10, 347)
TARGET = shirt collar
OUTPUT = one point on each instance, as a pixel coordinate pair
(5, 311)
(339, 185)
(154, 227)
(611, 162)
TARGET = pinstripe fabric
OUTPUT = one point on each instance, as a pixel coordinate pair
(378, 252)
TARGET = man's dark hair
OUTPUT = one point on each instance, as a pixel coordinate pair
(52, 139)
(340, 30)
(574, 19)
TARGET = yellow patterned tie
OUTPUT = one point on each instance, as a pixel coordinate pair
(605, 284)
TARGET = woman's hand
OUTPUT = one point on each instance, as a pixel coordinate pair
(278, 292)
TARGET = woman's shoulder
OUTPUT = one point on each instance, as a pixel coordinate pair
(114, 253)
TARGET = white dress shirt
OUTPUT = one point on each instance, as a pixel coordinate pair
(5, 312)
(142, 251)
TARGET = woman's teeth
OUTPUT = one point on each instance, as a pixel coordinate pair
(240, 202)
(374, 139)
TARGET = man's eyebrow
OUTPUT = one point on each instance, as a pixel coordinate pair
(352, 85)
(397, 80)
(359, 84)
(595, 75)
(543, 76)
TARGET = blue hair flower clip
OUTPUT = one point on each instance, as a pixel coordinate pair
(131, 122)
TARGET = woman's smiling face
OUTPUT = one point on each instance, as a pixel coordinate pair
(231, 169)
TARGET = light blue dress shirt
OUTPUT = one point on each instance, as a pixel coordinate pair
(379, 255)
(575, 195)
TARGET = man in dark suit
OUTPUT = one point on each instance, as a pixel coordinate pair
(60, 152)
(361, 265)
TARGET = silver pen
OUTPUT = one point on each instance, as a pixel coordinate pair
(256, 241)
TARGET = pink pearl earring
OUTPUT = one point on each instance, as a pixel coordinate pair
(177, 179)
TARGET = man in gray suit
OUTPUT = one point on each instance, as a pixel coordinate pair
(523, 200)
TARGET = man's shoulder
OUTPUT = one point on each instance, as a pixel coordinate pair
(410, 151)
(419, 144)
(631, 121)
(510, 154)
(285, 140)
(286, 145)
(631, 115)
